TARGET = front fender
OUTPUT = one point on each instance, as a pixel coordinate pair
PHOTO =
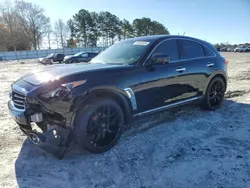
(105, 91)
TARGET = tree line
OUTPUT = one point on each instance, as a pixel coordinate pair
(227, 45)
(90, 27)
(24, 26)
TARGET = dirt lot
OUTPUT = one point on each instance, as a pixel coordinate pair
(187, 147)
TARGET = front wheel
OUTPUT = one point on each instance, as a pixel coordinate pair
(98, 125)
(215, 94)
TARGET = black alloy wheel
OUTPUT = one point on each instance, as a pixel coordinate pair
(215, 94)
(104, 126)
(98, 125)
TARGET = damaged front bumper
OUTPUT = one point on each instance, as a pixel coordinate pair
(54, 140)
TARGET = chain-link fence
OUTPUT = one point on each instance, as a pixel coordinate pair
(42, 53)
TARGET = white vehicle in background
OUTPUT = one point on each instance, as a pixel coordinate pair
(230, 50)
(240, 49)
(248, 49)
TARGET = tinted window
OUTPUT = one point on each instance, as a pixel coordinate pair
(191, 49)
(84, 55)
(208, 52)
(169, 48)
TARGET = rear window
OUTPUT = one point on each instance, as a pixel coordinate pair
(208, 52)
(191, 49)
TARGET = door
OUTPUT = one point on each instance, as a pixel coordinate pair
(83, 57)
(161, 84)
(198, 65)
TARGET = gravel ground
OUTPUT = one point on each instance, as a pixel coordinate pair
(185, 147)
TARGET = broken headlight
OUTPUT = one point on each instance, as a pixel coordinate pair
(64, 91)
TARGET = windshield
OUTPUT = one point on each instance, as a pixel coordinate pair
(50, 55)
(78, 54)
(126, 52)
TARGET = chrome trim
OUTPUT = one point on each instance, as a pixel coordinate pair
(19, 89)
(16, 104)
(131, 97)
(15, 108)
(19, 101)
(210, 64)
(180, 69)
(180, 60)
(167, 106)
(19, 97)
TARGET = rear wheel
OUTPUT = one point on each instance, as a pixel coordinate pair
(215, 94)
(98, 126)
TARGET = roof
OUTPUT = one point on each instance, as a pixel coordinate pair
(157, 37)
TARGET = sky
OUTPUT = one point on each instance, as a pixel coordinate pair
(212, 20)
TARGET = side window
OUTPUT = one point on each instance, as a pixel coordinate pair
(191, 49)
(169, 48)
(84, 55)
(208, 52)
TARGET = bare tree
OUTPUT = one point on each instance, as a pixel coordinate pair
(61, 31)
(8, 18)
(49, 32)
(34, 22)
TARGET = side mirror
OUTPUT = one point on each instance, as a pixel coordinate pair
(160, 58)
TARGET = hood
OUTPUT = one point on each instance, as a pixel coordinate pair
(58, 71)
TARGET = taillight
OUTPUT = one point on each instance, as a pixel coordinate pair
(226, 62)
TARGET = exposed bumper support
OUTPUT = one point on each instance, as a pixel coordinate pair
(54, 141)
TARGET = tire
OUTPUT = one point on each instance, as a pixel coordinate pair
(89, 128)
(74, 62)
(214, 94)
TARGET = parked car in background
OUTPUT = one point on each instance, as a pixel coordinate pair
(80, 57)
(230, 49)
(51, 58)
(240, 49)
(248, 49)
(224, 49)
(92, 102)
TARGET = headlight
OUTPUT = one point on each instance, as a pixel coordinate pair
(64, 91)
(72, 85)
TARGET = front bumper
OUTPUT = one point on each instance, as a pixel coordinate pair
(54, 141)
(17, 114)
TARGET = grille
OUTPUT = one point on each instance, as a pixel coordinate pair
(18, 99)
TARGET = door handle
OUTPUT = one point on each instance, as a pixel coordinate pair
(210, 64)
(180, 69)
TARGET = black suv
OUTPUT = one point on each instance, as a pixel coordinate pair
(51, 58)
(80, 57)
(91, 102)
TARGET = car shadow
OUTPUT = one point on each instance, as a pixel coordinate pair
(35, 168)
